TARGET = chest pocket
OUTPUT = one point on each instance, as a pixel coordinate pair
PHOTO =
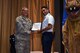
(27, 24)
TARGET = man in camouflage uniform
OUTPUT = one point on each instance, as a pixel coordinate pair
(22, 35)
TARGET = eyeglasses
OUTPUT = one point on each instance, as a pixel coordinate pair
(73, 9)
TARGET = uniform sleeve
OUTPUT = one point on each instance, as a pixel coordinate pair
(51, 20)
(19, 26)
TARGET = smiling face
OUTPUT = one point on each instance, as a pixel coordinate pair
(45, 11)
(24, 11)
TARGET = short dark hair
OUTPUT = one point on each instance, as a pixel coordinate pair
(44, 7)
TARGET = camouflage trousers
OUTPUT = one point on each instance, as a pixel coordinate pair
(22, 44)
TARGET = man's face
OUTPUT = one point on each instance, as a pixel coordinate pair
(24, 12)
(44, 11)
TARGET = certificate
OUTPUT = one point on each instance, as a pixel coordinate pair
(36, 26)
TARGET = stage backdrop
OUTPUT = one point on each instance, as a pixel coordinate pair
(10, 9)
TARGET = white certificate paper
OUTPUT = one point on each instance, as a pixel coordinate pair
(36, 26)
